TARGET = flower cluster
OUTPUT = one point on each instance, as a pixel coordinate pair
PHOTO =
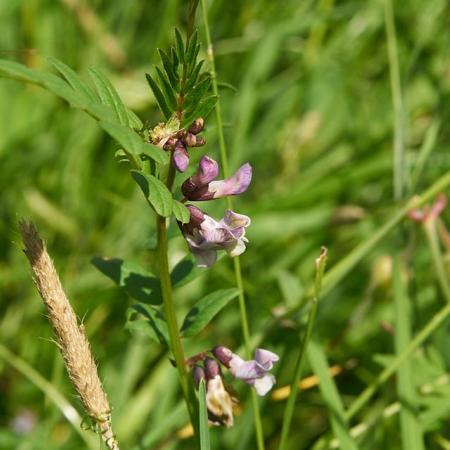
(254, 372)
(171, 138)
(204, 234)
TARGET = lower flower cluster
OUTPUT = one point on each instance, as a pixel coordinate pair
(254, 372)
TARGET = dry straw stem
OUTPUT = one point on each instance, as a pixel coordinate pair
(72, 341)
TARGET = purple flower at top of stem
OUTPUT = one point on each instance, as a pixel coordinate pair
(253, 372)
(202, 185)
(171, 138)
(205, 235)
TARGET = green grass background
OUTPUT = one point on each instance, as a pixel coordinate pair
(313, 113)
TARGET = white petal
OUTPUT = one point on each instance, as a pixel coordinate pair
(264, 384)
(219, 402)
(236, 248)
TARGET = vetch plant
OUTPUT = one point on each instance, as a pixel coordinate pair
(154, 156)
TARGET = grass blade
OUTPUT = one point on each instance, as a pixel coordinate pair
(109, 96)
(67, 410)
(73, 79)
(330, 395)
(289, 410)
(410, 425)
(205, 443)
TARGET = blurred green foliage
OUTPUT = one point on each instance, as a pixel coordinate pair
(312, 112)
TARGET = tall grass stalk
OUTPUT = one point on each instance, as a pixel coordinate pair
(397, 99)
(438, 261)
(236, 260)
(290, 405)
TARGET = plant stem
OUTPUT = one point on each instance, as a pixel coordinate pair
(394, 71)
(433, 242)
(236, 260)
(169, 309)
(289, 409)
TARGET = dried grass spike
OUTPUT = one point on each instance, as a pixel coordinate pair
(72, 341)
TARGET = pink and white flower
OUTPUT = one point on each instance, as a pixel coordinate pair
(254, 372)
(205, 236)
(202, 185)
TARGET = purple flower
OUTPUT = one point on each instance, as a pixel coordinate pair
(253, 372)
(202, 186)
(205, 235)
(180, 158)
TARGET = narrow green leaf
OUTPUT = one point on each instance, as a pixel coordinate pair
(185, 271)
(224, 85)
(191, 46)
(193, 77)
(167, 90)
(169, 69)
(179, 46)
(155, 191)
(330, 395)
(203, 417)
(132, 142)
(126, 137)
(73, 79)
(54, 84)
(12, 69)
(174, 58)
(109, 96)
(194, 59)
(411, 430)
(159, 97)
(181, 212)
(203, 109)
(153, 324)
(133, 279)
(154, 152)
(197, 93)
(134, 120)
(205, 310)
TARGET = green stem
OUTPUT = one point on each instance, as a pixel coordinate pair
(289, 409)
(433, 242)
(394, 71)
(170, 314)
(236, 262)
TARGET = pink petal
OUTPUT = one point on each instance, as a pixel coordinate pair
(180, 159)
(234, 185)
(265, 358)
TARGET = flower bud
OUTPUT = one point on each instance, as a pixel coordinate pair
(199, 374)
(181, 134)
(199, 142)
(212, 369)
(170, 144)
(197, 126)
(180, 157)
(223, 354)
(190, 140)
